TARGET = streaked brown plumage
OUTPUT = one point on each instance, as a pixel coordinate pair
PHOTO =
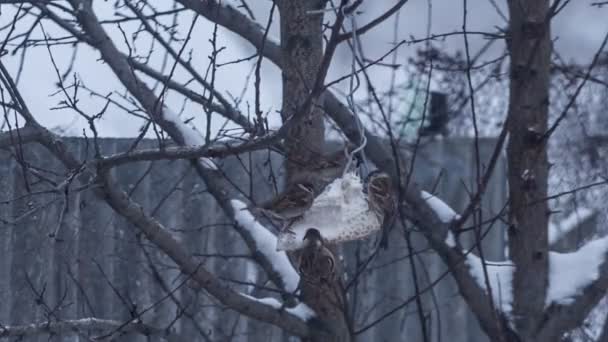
(293, 202)
(317, 263)
(303, 186)
(381, 197)
(319, 281)
(290, 205)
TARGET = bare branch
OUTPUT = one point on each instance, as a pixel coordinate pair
(379, 20)
(85, 324)
(218, 150)
(217, 185)
(158, 234)
(232, 19)
(224, 109)
(27, 134)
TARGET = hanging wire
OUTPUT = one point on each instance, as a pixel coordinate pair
(354, 84)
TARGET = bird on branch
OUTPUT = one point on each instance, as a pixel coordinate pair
(291, 204)
(317, 263)
(302, 188)
(382, 201)
(319, 281)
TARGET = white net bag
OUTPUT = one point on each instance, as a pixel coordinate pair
(341, 213)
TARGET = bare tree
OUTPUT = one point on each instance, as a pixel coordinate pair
(526, 305)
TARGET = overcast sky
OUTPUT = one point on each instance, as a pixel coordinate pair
(578, 31)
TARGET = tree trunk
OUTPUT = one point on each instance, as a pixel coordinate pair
(302, 52)
(530, 50)
(302, 47)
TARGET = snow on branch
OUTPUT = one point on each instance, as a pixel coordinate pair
(450, 240)
(570, 223)
(570, 273)
(84, 324)
(302, 311)
(500, 276)
(266, 243)
(341, 213)
(191, 136)
(445, 213)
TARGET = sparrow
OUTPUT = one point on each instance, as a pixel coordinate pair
(319, 282)
(291, 204)
(303, 186)
(382, 201)
(317, 264)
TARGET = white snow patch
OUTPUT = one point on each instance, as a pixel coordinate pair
(191, 136)
(341, 213)
(569, 273)
(445, 213)
(301, 310)
(266, 243)
(251, 275)
(557, 231)
(500, 276)
(450, 240)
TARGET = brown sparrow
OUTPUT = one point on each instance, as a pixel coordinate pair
(381, 198)
(317, 263)
(291, 204)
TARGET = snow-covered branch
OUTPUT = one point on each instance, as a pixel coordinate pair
(445, 213)
(500, 277)
(558, 231)
(577, 282)
(190, 134)
(182, 133)
(67, 327)
(265, 243)
(571, 273)
(161, 237)
(301, 310)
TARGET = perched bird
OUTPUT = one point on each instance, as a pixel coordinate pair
(303, 186)
(319, 282)
(317, 263)
(382, 200)
(291, 204)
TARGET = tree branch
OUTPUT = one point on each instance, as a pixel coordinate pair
(158, 234)
(570, 226)
(218, 150)
(561, 318)
(27, 134)
(182, 134)
(379, 20)
(230, 18)
(417, 208)
(90, 324)
(420, 213)
(224, 109)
